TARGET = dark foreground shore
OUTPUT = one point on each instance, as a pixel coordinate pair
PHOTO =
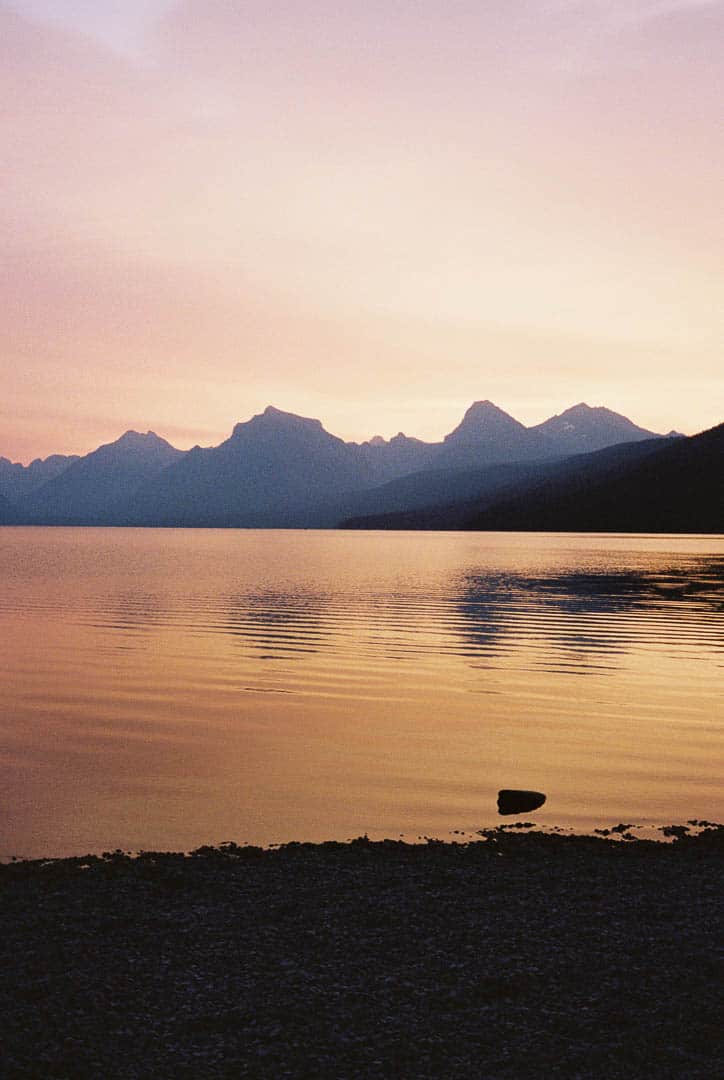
(522, 955)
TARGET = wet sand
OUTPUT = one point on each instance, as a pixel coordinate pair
(521, 955)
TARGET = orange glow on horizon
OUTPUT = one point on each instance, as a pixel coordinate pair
(372, 215)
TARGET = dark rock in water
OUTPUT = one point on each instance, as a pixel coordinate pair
(519, 802)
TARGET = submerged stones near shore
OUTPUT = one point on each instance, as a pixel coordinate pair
(511, 801)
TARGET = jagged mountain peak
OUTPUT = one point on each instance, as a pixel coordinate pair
(397, 440)
(272, 412)
(133, 444)
(584, 428)
(139, 438)
(591, 412)
(91, 488)
(584, 409)
(483, 408)
(276, 419)
(282, 416)
(276, 466)
(486, 411)
(484, 419)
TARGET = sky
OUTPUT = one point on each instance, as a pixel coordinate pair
(371, 213)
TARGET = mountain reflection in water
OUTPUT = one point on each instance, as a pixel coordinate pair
(584, 614)
(482, 615)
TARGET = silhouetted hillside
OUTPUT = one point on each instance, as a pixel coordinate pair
(282, 470)
(397, 457)
(582, 429)
(8, 513)
(486, 435)
(438, 499)
(18, 481)
(679, 488)
(522, 484)
(92, 488)
(269, 473)
(411, 494)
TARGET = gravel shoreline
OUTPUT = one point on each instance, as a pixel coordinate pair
(521, 955)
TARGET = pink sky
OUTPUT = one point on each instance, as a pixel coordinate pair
(373, 213)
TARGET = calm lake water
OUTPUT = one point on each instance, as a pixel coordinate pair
(169, 688)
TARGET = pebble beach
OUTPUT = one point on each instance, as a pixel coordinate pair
(521, 954)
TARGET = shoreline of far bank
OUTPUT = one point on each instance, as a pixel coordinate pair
(519, 954)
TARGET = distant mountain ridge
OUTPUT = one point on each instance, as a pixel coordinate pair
(487, 435)
(679, 487)
(397, 457)
(582, 429)
(282, 470)
(17, 481)
(654, 485)
(91, 488)
(267, 472)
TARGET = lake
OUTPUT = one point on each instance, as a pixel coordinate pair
(170, 688)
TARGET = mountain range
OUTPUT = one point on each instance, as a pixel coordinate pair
(655, 485)
(280, 470)
(18, 481)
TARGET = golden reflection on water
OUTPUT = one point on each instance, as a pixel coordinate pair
(168, 688)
